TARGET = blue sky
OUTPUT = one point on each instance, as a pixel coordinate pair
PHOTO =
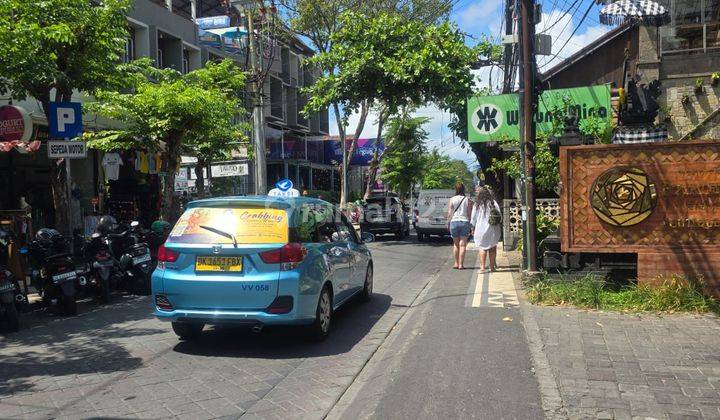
(485, 17)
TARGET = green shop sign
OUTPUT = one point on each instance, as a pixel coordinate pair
(492, 118)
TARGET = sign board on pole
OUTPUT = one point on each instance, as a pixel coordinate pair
(65, 120)
(284, 188)
(181, 180)
(213, 22)
(15, 124)
(493, 118)
(229, 169)
(67, 149)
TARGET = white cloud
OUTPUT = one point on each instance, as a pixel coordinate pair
(560, 26)
(476, 14)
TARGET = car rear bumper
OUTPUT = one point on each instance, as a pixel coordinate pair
(231, 317)
(381, 227)
(432, 230)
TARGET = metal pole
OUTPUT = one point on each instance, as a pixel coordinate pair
(258, 112)
(529, 100)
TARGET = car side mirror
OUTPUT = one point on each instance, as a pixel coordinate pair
(367, 237)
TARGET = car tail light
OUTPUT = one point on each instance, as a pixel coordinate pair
(289, 255)
(163, 303)
(167, 255)
(102, 256)
(281, 305)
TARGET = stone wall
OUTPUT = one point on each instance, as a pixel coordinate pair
(684, 118)
(512, 219)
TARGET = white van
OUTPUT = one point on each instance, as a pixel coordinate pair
(430, 215)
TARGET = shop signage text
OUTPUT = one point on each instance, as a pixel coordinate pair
(493, 118)
(228, 169)
(15, 124)
(213, 22)
(67, 149)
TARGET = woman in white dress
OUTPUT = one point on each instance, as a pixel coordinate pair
(486, 221)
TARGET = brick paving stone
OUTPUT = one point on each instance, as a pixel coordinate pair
(612, 365)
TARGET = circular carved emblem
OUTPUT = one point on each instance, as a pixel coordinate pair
(623, 196)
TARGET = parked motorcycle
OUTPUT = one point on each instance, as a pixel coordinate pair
(97, 271)
(159, 232)
(53, 271)
(10, 295)
(128, 247)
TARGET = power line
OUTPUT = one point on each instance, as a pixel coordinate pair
(567, 41)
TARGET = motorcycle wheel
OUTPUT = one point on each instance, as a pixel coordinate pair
(12, 323)
(104, 290)
(69, 304)
(143, 288)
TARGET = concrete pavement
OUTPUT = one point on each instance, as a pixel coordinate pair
(460, 352)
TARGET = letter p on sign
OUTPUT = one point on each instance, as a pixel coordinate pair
(65, 120)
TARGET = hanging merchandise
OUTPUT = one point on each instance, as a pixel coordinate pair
(111, 165)
(153, 163)
(141, 162)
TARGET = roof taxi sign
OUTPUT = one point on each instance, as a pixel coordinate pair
(284, 188)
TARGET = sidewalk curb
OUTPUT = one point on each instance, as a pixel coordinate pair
(551, 400)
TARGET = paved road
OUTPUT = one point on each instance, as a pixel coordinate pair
(118, 361)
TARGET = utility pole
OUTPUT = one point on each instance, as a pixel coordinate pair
(528, 102)
(247, 7)
(508, 52)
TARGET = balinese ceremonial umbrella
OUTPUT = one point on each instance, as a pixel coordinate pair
(646, 11)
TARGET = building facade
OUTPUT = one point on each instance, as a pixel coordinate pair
(167, 32)
(683, 55)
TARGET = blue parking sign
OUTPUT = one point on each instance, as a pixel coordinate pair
(65, 120)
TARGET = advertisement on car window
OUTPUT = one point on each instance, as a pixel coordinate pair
(221, 225)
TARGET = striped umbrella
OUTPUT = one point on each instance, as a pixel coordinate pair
(646, 11)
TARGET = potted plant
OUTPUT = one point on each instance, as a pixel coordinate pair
(664, 114)
(715, 79)
(699, 86)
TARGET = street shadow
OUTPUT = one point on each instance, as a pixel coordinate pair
(88, 344)
(432, 241)
(351, 324)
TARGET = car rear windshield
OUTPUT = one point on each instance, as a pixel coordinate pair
(247, 225)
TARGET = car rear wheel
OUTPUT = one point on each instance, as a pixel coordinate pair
(367, 292)
(320, 329)
(187, 331)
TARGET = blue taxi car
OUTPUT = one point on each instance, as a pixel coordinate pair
(260, 261)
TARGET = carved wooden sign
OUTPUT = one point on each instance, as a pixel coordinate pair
(659, 200)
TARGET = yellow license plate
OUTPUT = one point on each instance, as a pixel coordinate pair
(218, 264)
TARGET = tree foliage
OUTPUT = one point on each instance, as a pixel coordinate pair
(64, 45)
(403, 161)
(443, 172)
(196, 113)
(60, 46)
(394, 61)
(547, 166)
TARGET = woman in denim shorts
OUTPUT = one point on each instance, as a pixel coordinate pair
(459, 212)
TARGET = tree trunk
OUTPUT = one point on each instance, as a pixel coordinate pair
(170, 158)
(200, 181)
(364, 111)
(375, 164)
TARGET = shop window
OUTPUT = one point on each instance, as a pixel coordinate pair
(694, 26)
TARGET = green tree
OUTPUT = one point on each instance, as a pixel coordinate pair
(319, 20)
(395, 62)
(547, 166)
(404, 157)
(174, 113)
(60, 46)
(443, 172)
